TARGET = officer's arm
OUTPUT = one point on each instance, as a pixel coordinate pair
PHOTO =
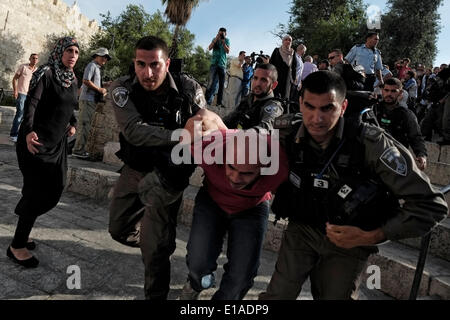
(422, 206)
(130, 121)
(268, 114)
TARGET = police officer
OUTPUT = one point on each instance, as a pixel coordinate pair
(400, 122)
(148, 106)
(368, 56)
(342, 194)
(260, 108)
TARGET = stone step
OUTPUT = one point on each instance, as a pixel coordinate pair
(109, 154)
(438, 172)
(440, 241)
(6, 118)
(397, 263)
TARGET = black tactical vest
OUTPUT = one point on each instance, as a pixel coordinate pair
(331, 185)
(170, 113)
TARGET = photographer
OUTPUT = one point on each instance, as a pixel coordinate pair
(220, 46)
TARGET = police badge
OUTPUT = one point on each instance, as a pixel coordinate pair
(393, 159)
(120, 96)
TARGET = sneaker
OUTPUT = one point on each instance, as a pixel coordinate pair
(81, 155)
(188, 293)
(13, 139)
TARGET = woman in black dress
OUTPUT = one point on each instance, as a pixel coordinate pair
(283, 58)
(42, 143)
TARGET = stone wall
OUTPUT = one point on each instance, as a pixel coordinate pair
(25, 25)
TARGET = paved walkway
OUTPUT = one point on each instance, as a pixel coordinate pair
(75, 234)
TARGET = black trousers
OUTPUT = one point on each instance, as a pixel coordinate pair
(44, 178)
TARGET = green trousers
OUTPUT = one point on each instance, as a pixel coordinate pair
(306, 252)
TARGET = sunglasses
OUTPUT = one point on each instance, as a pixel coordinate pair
(332, 57)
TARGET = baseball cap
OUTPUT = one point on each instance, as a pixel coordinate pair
(102, 52)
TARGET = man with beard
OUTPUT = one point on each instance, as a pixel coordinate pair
(260, 108)
(400, 122)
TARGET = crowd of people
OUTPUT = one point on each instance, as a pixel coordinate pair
(338, 179)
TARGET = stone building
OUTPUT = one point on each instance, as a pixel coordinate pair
(25, 25)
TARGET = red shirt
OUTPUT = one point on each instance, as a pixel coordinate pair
(402, 71)
(232, 200)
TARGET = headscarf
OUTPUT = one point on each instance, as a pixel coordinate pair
(286, 54)
(64, 76)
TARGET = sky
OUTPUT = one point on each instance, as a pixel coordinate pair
(250, 23)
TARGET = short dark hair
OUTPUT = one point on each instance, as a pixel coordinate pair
(324, 81)
(241, 52)
(338, 51)
(152, 43)
(370, 34)
(325, 61)
(223, 29)
(411, 73)
(271, 68)
(394, 82)
(33, 54)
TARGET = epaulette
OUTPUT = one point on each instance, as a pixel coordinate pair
(371, 132)
(288, 120)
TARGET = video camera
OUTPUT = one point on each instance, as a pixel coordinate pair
(258, 60)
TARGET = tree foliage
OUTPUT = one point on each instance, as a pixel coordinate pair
(179, 12)
(198, 63)
(325, 25)
(120, 35)
(409, 30)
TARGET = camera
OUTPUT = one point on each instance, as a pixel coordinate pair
(258, 60)
(222, 36)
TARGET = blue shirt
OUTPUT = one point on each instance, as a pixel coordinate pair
(369, 59)
(248, 74)
(91, 73)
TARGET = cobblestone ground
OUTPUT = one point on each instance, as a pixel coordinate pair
(75, 234)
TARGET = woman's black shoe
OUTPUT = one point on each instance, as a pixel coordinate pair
(28, 263)
(31, 245)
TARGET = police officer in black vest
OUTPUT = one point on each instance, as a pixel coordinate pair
(342, 196)
(149, 105)
(400, 122)
(259, 109)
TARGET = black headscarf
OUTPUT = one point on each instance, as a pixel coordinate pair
(64, 76)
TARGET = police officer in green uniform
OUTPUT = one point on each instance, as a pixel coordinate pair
(400, 122)
(259, 109)
(147, 196)
(343, 196)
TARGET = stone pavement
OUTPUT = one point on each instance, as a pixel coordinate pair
(75, 234)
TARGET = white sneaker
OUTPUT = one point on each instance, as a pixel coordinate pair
(13, 139)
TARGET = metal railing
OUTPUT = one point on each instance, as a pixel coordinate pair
(425, 244)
